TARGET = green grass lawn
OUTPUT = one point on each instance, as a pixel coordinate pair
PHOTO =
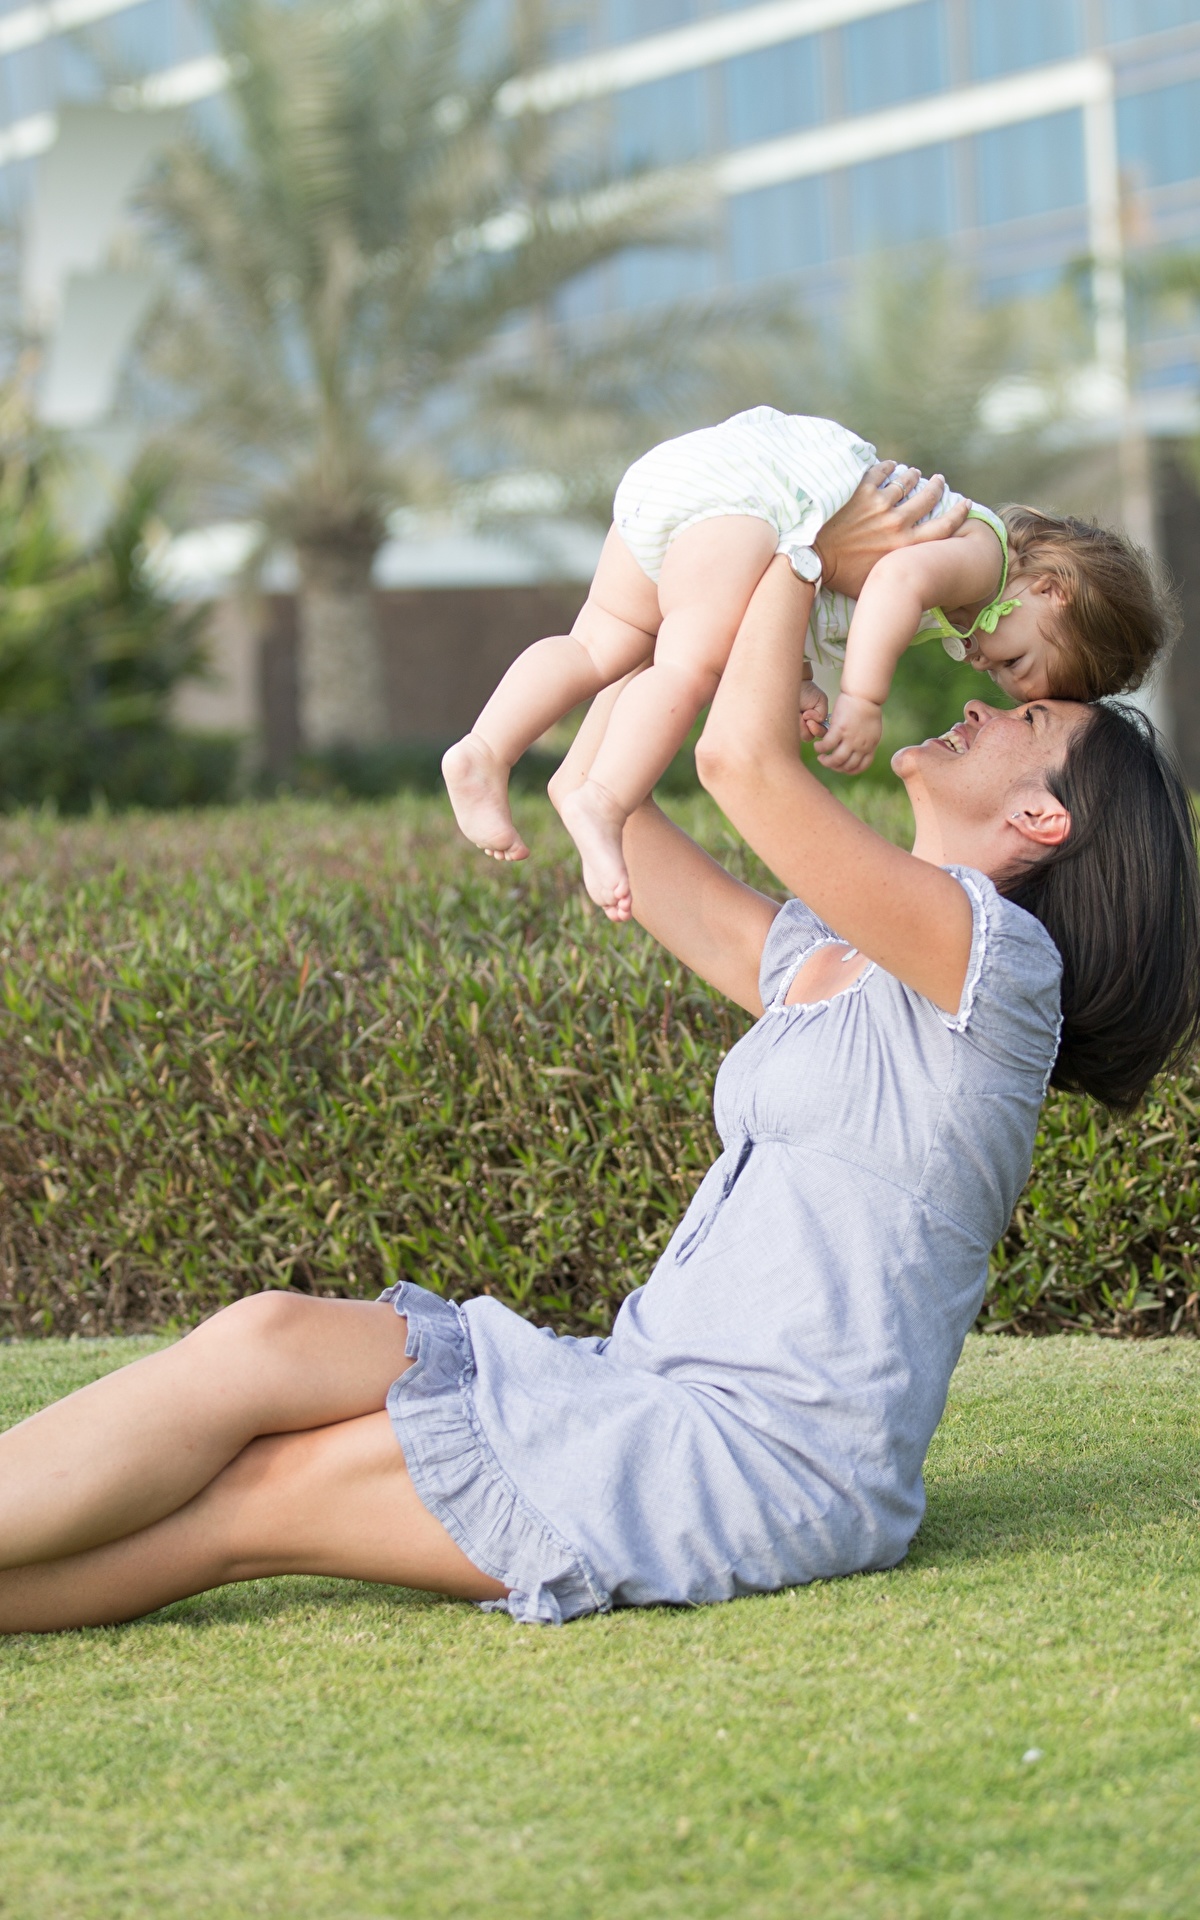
(1007, 1725)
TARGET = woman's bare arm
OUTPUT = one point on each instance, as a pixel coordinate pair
(715, 924)
(701, 914)
(907, 915)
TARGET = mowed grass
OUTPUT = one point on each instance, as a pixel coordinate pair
(862, 1748)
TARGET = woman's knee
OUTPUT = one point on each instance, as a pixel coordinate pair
(266, 1317)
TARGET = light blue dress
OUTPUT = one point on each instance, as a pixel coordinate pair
(760, 1414)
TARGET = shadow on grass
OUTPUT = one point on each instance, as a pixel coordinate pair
(1031, 1504)
(292, 1596)
(993, 1513)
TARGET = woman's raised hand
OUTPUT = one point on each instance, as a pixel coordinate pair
(883, 513)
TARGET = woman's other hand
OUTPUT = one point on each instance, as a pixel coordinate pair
(883, 513)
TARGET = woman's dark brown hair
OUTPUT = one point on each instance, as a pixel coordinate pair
(1119, 614)
(1121, 901)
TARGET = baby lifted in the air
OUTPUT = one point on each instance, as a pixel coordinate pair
(1048, 607)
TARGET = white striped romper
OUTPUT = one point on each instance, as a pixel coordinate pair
(792, 470)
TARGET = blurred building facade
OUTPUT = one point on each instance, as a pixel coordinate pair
(840, 127)
(55, 54)
(837, 127)
(1022, 135)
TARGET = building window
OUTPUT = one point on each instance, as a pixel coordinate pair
(636, 19)
(1130, 19)
(1022, 33)
(586, 296)
(28, 78)
(78, 74)
(778, 230)
(1036, 167)
(662, 123)
(907, 198)
(654, 276)
(141, 39)
(1159, 134)
(772, 91)
(897, 56)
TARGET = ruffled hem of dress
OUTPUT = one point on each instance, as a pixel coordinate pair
(460, 1480)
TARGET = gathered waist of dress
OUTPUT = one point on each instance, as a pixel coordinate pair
(845, 1148)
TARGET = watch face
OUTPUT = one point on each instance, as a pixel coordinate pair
(806, 564)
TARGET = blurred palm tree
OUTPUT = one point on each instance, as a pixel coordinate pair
(349, 247)
(916, 363)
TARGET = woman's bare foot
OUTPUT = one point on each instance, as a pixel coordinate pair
(595, 822)
(478, 788)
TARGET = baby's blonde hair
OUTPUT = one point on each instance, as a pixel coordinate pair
(1119, 615)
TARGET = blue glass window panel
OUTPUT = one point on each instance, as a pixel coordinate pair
(777, 230)
(568, 39)
(1033, 168)
(905, 198)
(79, 76)
(142, 39)
(487, 42)
(897, 56)
(1159, 133)
(585, 296)
(1130, 19)
(662, 123)
(27, 83)
(655, 276)
(1007, 35)
(635, 19)
(772, 91)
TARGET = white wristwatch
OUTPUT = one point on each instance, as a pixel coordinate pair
(805, 563)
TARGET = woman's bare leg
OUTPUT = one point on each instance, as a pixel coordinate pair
(131, 1448)
(613, 634)
(707, 582)
(337, 1500)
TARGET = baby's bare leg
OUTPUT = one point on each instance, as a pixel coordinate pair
(707, 582)
(613, 634)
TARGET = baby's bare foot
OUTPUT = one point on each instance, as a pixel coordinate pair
(595, 822)
(478, 788)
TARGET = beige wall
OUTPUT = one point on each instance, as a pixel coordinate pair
(443, 648)
(228, 700)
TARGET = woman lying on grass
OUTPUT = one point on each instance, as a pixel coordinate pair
(761, 1412)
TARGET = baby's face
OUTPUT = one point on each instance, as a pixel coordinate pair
(1019, 655)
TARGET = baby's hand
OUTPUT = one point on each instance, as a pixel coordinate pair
(814, 711)
(853, 734)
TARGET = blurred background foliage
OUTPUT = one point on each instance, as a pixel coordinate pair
(90, 649)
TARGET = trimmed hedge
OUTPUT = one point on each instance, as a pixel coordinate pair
(326, 1047)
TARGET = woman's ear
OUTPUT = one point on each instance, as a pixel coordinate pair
(1043, 821)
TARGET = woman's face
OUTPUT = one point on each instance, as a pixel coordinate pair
(969, 785)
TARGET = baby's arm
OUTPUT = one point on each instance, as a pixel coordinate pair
(957, 572)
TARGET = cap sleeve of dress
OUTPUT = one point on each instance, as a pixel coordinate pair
(794, 932)
(1010, 1007)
